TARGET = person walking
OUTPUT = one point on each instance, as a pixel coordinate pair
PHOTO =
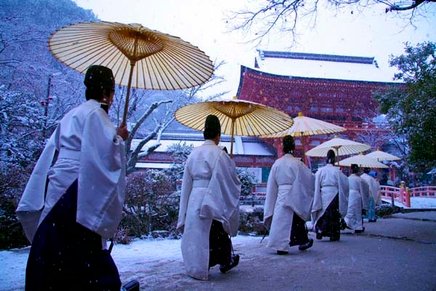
(209, 206)
(73, 201)
(356, 201)
(330, 200)
(373, 198)
(289, 197)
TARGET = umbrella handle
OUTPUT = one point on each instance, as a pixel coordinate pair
(231, 137)
(126, 104)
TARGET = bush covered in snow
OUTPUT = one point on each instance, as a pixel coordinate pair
(11, 185)
(251, 220)
(150, 204)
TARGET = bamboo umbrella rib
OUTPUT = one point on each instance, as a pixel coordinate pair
(183, 62)
(171, 78)
(151, 67)
(250, 122)
(184, 71)
(172, 62)
(159, 79)
(141, 66)
(187, 53)
(172, 65)
(226, 122)
(268, 120)
(165, 76)
(269, 123)
(189, 116)
(75, 58)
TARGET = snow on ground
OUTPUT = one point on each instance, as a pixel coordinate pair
(151, 261)
(155, 263)
(416, 202)
(422, 202)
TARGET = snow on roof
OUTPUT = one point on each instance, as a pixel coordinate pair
(141, 165)
(324, 66)
(250, 146)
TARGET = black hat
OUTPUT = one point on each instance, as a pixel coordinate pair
(99, 78)
(331, 157)
(288, 144)
(354, 168)
(212, 127)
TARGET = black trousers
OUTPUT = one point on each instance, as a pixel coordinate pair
(67, 256)
(299, 231)
(220, 245)
(330, 223)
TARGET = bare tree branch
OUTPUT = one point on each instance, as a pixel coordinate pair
(285, 15)
(143, 117)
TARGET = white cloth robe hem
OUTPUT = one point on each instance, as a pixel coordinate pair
(354, 212)
(289, 191)
(337, 184)
(218, 200)
(85, 134)
(372, 189)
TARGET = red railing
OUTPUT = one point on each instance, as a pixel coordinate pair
(393, 194)
(403, 194)
(425, 191)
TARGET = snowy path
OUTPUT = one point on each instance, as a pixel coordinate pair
(397, 253)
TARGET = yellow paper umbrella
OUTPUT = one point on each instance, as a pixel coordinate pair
(305, 126)
(342, 147)
(362, 161)
(382, 156)
(138, 56)
(237, 117)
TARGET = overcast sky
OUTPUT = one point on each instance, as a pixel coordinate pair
(370, 32)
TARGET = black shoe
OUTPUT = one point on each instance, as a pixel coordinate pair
(282, 253)
(359, 230)
(318, 235)
(343, 224)
(131, 286)
(335, 238)
(233, 263)
(372, 220)
(307, 245)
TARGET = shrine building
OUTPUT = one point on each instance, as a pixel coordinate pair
(333, 88)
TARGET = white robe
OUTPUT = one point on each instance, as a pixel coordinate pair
(84, 146)
(355, 202)
(289, 190)
(210, 191)
(329, 181)
(378, 195)
(373, 186)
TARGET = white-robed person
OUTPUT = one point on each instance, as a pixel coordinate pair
(73, 200)
(356, 201)
(373, 198)
(209, 206)
(330, 200)
(289, 197)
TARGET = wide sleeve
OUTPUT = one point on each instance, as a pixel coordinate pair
(301, 195)
(184, 194)
(271, 197)
(364, 192)
(221, 201)
(343, 186)
(377, 193)
(374, 189)
(317, 197)
(101, 189)
(32, 201)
